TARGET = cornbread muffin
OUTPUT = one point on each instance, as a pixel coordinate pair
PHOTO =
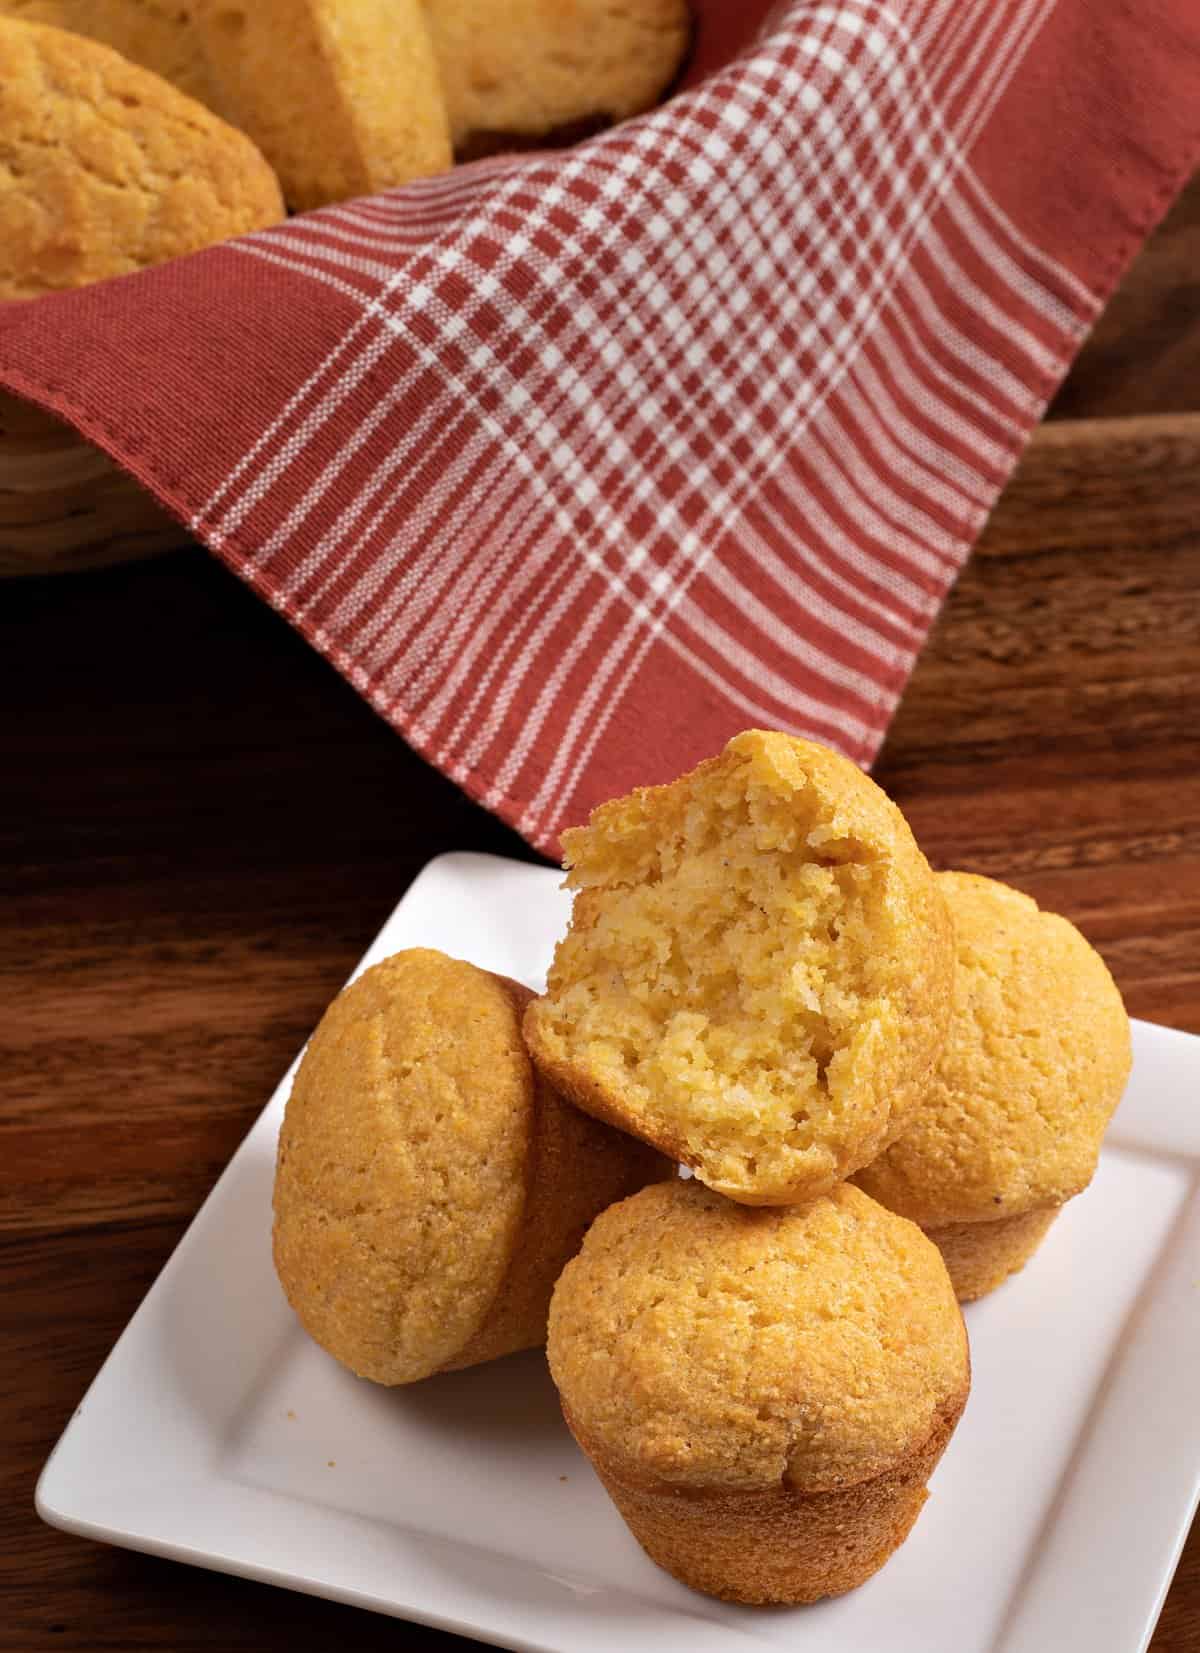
(527, 68)
(105, 168)
(429, 1187)
(763, 1393)
(158, 34)
(1036, 1059)
(342, 96)
(757, 977)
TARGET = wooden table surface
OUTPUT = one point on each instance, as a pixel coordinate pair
(205, 826)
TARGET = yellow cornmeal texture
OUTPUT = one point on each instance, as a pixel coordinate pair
(527, 67)
(105, 168)
(429, 1187)
(757, 976)
(158, 34)
(400, 1179)
(1036, 1059)
(980, 1256)
(343, 99)
(782, 1370)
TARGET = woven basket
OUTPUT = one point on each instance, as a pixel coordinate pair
(64, 506)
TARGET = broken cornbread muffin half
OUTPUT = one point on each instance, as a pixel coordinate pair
(758, 974)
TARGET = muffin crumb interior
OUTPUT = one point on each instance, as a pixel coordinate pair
(739, 966)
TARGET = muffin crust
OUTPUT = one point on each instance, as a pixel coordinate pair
(429, 1188)
(741, 1376)
(758, 971)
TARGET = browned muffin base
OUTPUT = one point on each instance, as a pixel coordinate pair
(981, 1256)
(778, 1545)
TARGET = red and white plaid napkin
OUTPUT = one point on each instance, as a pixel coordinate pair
(575, 463)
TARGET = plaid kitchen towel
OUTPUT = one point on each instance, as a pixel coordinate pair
(575, 463)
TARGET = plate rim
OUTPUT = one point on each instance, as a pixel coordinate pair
(1023, 1623)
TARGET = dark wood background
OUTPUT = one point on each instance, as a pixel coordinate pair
(204, 826)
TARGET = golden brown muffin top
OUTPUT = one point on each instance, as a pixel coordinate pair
(1036, 1060)
(757, 975)
(158, 34)
(401, 1174)
(105, 168)
(701, 1344)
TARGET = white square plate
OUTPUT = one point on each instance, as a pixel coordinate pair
(216, 1432)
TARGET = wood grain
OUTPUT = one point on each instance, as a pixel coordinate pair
(1050, 735)
(1144, 353)
(205, 826)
